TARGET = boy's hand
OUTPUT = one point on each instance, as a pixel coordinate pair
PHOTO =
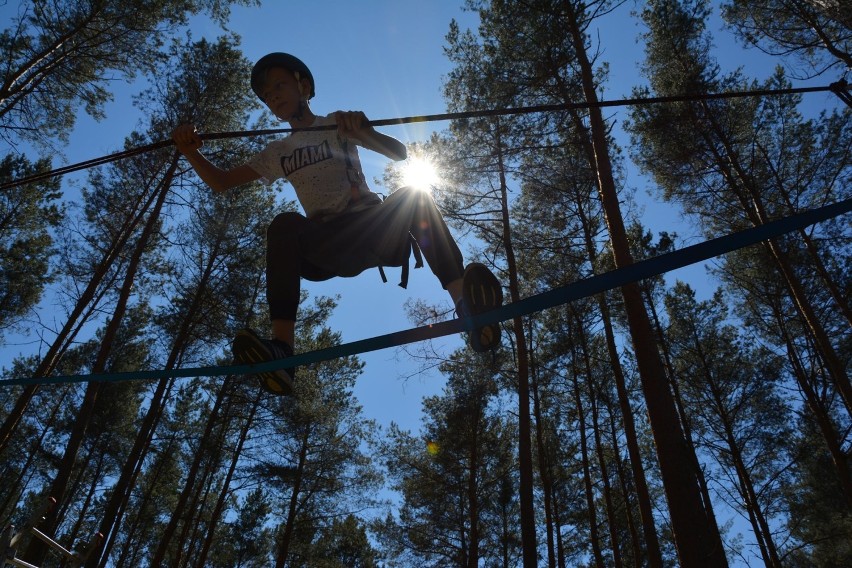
(187, 139)
(352, 124)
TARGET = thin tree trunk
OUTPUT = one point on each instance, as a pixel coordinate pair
(84, 307)
(696, 540)
(293, 507)
(646, 509)
(472, 498)
(528, 532)
(604, 472)
(37, 550)
(587, 476)
(635, 540)
(114, 509)
(226, 484)
(192, 480)
(543, 461)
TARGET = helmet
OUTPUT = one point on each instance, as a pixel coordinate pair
(285, 60)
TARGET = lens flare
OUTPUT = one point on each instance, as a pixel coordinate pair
(420, 173)
(432, 447)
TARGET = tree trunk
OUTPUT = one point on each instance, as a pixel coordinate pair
(84, 307)
(646, 509)
(190, 484)
(226, 484)
(697, 542)
(681, 409)
(543, 462)
(594, 538)
(607, 489)
(635, 539)
(37, 550)
(293, 507)
(472, 498)
(528, 536)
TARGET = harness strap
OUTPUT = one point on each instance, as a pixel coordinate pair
(414, 249)
(355, 177)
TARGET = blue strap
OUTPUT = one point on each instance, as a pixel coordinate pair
(558, 296)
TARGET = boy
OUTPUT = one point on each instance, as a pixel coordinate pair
(346, 227)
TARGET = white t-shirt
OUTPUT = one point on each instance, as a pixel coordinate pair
(315, 163)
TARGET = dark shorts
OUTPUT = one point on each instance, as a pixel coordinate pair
(348, 244)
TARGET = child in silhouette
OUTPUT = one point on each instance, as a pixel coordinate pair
(346, 227)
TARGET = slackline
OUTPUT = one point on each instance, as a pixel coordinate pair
(550, 299)
(840, 88)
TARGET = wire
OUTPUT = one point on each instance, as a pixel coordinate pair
(552, 298)
(839, 88)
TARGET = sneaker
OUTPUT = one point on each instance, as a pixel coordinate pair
(481, 292)
(250, 348)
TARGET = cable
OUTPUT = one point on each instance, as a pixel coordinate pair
(558, 296)
(839, 88)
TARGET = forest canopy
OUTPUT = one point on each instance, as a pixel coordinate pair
(701, 422)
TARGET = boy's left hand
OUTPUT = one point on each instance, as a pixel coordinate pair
(352, 124)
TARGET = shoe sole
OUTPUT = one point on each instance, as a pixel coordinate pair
(482, 292)
(248, 350)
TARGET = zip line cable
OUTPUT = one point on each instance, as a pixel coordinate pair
(550, 299)
(840, 88)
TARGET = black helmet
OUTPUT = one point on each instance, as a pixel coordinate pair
(285, 60)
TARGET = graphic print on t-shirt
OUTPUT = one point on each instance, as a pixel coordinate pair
(306, 156)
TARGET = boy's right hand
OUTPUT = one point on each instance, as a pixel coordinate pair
(187, 139)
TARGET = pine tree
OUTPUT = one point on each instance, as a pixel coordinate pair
(196, 283)
(456, 477)
(731, 393)
(558, 216)
(60, 55)
(817, 32)
(312, 451)
(818, 520)
(741, 163)
(27, 213)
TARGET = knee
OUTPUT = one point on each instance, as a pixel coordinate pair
(413, 196)
(285, 224)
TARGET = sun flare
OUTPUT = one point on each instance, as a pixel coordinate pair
(420, 173)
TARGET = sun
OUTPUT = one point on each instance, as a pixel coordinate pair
(420, 173)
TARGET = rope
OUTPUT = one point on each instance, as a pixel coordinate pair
(558, 296)
(839, 88)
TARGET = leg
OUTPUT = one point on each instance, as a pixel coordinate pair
(474, 290)
(455, 290)
(416, 211)
(284, 330)
(284, 265)
(284, 268)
